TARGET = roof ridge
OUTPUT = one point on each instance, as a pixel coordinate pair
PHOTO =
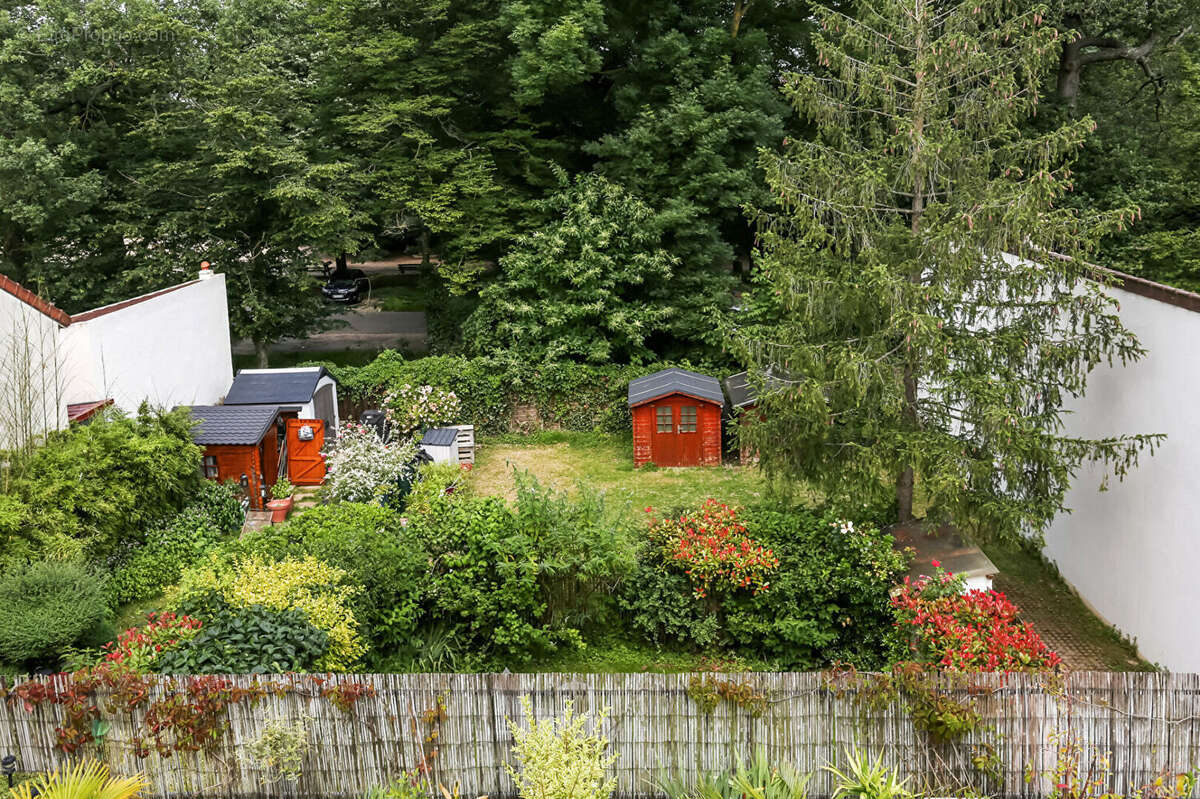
(39, 304)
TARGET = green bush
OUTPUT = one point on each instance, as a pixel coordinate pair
(567, 395)
(220, 504)
(483, 580)
(370, 544)
(158, 563)
(49, 606)
(434, 480)
(214, 513)
(584, 551)
(92, 487)
(245, 640)
(659, 606)
(827, 601)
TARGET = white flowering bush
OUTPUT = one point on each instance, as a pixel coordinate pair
(412, 408)
(563, 758)
(362, 467)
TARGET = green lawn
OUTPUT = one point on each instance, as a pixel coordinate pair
(605, 461)
(398, 292)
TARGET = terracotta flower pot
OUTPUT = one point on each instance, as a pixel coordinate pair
(280, 508)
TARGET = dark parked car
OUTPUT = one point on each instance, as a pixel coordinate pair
(346, 286)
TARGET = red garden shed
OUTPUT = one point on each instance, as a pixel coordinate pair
(676, 419)
(242, 444)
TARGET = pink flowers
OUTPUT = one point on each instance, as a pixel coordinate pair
(714, 550)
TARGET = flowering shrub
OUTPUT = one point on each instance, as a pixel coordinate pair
(412, 408)
(975, 631)
(713, 549)
(362, 467)
(138, 648)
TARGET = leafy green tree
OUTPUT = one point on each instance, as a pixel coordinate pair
(592, 285)
(1144, 154)
(1117, 31)
(694, 90)
(934, 308)
(76, 78)
(416, 95)
(233, 179)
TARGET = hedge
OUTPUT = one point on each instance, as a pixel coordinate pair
(567, 395)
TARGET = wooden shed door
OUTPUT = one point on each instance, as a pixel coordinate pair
(676, 440)
(305, 439)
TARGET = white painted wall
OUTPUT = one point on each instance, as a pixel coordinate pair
(32, 373)
(171, 349)
(1132, 551)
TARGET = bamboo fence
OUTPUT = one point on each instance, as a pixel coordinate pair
(1145, 725)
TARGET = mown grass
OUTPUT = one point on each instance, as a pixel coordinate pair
(605, 461)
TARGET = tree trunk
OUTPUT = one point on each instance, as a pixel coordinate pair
(1070, 67)
(739, 11)
(904, 483)
(906, 480)
(423, 244)
(343, 265)
(261, 352)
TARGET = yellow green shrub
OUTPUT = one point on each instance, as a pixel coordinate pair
(306, 584)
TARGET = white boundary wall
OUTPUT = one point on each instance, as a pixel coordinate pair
(171, 348)
(32, 373)
(1132, 551)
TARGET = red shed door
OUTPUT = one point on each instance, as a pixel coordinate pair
(305, 439)
(676, 439)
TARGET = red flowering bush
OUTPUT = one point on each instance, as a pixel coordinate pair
(138, 647)
(713, 549)
(972, 631)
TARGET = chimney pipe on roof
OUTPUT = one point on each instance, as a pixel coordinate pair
(205, 270)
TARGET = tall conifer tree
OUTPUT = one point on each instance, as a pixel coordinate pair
(933, 306)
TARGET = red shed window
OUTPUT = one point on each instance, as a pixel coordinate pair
(663, 417)
(687, 419)
(209, 467)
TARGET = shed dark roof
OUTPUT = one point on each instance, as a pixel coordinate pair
(275, 386)
(439, 436)
(742, 392)
(231, 424)
(739, 390)
(675, 381)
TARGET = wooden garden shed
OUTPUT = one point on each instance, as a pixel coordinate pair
(242, 444)
(306, 397)
(676, 418)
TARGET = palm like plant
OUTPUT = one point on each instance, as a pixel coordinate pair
(867, 779)
(757, 779)
(85, 780)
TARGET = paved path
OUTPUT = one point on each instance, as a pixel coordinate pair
(1055, 613)
(365, 330)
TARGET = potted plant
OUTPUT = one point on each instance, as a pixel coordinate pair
(280, 503)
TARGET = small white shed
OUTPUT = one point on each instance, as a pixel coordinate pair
(311, 391)
(441, 444)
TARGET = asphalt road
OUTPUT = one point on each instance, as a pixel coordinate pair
(362, 330)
